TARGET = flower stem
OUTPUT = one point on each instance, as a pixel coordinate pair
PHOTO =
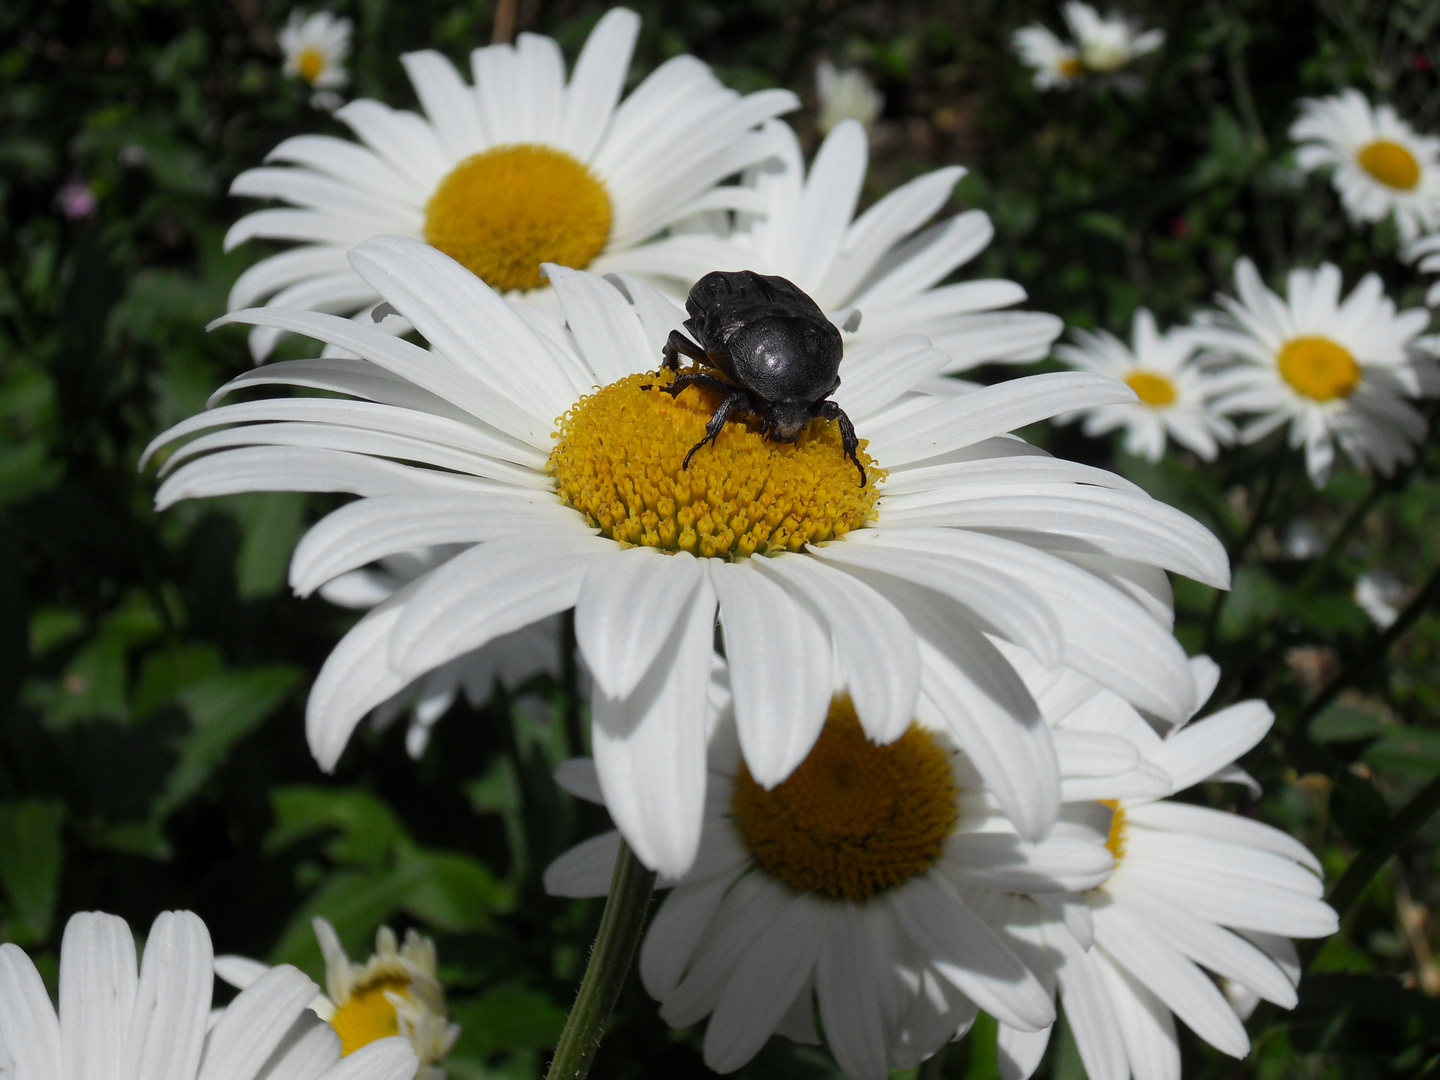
(631, 886)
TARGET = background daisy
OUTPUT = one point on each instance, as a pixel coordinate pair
(520, 169)
(1056, 63)
(845, 94)
(550, 524)
(1173, 389)
(851, 888)
(886, 264)
(1381, 166)
(115, 1022)
(1337, 372)
(1192, 889)
(316, 48)
(1108, 43)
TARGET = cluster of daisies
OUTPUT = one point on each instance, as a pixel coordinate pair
(900, 745)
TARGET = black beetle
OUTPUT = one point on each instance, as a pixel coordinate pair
(778, 352)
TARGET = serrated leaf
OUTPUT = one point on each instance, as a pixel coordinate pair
(506, 1018)
(453, 892)
(368, 828)
(31, 855)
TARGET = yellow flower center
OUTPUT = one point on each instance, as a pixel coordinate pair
(1390, 163)
(1318, 368)
(1116, 840)
(503, 212)
(1070, 66)
(368, 1014)
(618, 462)
(854, 818)
(1151, 387)
(310, 63)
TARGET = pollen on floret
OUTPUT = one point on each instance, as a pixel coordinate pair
(1115, 842)
(369, 1014)
(1318, 368)
(1390, 163)
(1151, 387)
(854, 818)
(618, 457)
(502, 212)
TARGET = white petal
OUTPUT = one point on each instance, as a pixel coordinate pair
(1145, 1024)
(650, 746)
(586, 869)
(239, 971)
(606, 327)
(1197, 751)
(596, 81)
(31, 1031)
(447, 101)
(97, 993)
(172, 1002)
(309, 1048)
(846, 988)
(392, 1058)
(676, 930)
(355, 678)
(253, 1025)
(579, 778)
(780, 670)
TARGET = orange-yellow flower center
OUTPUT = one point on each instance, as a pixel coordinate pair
(368, 1014)
(1151, 387)
(504, 211)
(310, 63)
(1070, 66)
(1318, 368)
(1116, 840)
(1390, 163)
(618, 456)
(854, 818)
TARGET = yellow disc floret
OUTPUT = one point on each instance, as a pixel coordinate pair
(1390, 163)
(1151, 387)
(1318, 368)
(854, 818)
(503, 212)
(369, 1014)
(1070, 67)
(1116, 840)
(310, 64)
(618, 461)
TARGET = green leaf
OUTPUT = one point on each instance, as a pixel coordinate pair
(1358, 809)
(1346, 722)
(271, 524)
(1412, 753)
(166, 672)
(92, 688)
(26, 470)
(355, 903)
(453, 892)
(368, 829)
(51, 627)
(223, 709)
(506, 1018)
(31, 855)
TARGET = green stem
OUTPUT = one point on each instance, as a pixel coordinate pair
(631, 886)
(1237, 552)
(1362, 871)
(1376, 649)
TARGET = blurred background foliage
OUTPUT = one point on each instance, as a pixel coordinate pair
(153, 668)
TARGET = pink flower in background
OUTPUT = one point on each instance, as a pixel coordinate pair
(76, 199)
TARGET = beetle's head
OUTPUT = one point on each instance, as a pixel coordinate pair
(788, 418)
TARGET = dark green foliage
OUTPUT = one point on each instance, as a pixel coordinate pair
(153, 668)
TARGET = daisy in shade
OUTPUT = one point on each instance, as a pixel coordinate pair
(1192, 889)
(877, 275)
(1056, 63)
(1172, 387)
(1337, 372)
(975, 533)
(1111, 42)
(511, 660)
(396, 992)
(316, 48)
(853, 887)
(1381, 167)
(117, 1023)
(1425, 254)
(520, 169)
(845, 94)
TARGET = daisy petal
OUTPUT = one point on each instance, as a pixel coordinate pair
(97, 992)
(253, 1025)
(31, 1033)
(172, 1001)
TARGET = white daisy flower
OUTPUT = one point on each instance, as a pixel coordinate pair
(975, 532)
(854, 886)
(1108, 44)
(1425, 254)
(877, 275)
(1337, 372)
(396, 992)
(1173, 389)
(1193, 888)
(845, 94)
(1379, 595)
(1381, 166)
(510, 660)
(1056, 63)
(316, 48)
(117, 1023)
(519, 169)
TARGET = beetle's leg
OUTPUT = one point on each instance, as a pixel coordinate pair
(676, 344)
(832, 411)
(738, 399)
(696, 378)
